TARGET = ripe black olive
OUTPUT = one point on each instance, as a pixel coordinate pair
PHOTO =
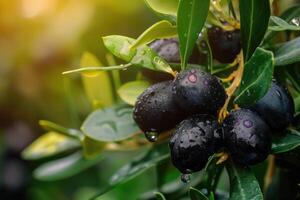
(156, 110)
(193, 143)
(247, 137)
(276, 107)
(225, 45)
(198, 92)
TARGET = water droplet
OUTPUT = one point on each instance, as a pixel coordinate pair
(205, 82)
(186, 178)
(229, 36)
(296, 21)
(278, 93)
(248, 93)
(151, 136)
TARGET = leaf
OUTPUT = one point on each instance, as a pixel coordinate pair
(191, 17)
(243, 184)
(281, 25)
(130, 91)
(159, 196)
(91, 147)
(159, 30)
(166, 8)
(257, 77)
(212, 174)
(136, 167)
(288, 15)
(110, 124)
(49, 144)
(254, 16)
(64, 167)
(287, 142)
(143, 56)
(196, 194)
(51, 126)
(287, 53)
(97, 85)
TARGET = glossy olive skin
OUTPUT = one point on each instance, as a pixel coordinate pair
(247, 137)
(193, 143)
(168, 49)
(276, 107)
(155, 109)
(198, 92)
(225, 45)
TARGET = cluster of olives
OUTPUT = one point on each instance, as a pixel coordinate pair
(190, 103)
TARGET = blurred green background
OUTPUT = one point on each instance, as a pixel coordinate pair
(39, 39)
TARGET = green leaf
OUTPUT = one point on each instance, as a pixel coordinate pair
(51, 126)
(287, 15)
(159, 30)
(97, 85)
(92, 148)
(243, 184)
(166, 8)
(143, 56)
(191, 17)
(159, 196)
(110, 124)
(254, 16)
(212, 174)
(257, 77)
(287, 142)
(287, 53)
(64, 168)
(196, 194)
(297, 104)
(130, 91)
(49, 144)
(281, 25)
(136, 167)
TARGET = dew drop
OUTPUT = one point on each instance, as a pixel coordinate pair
(151, 136)
(205, 82)
(296, 21)
(186, 178)
(248, 93)
(278, 93)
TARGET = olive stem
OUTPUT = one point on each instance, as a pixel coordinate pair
(237, 78)
(233, 24)
(95, 69)
(223, 156)
(270, 171)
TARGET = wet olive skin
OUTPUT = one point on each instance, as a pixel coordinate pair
(198, 92)
(155, 109)
(193, 143)
(225, 45)
(276, 107)
(168, 49)
(247, 137)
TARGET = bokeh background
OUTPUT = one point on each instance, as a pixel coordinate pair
(39, 39)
